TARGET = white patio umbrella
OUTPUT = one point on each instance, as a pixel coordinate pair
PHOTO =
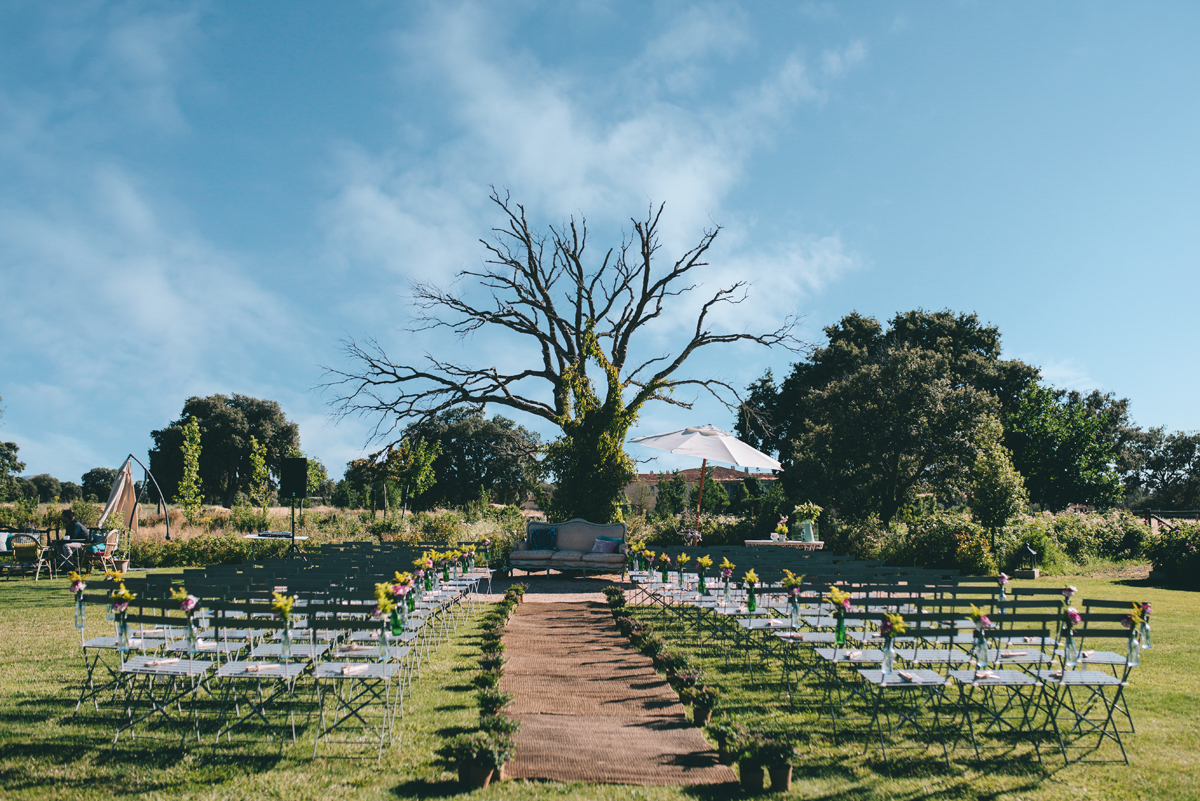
(708, 442)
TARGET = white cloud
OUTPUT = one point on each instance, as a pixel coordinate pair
(1062, 373)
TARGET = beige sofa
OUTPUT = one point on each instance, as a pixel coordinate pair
(574, 540)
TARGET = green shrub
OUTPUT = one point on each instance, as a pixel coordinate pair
(206, 549)
(245, 517)
(862, 539)
(949, 540)
(1176, 553)
(1037, 534)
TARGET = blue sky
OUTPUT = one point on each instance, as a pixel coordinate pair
(205, 197)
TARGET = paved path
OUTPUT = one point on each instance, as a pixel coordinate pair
(594, 710)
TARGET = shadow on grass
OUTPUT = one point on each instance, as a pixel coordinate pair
(424, 788)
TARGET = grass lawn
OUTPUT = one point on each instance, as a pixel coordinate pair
(47, 753)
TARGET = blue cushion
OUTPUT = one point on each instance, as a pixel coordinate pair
(543, 539)
(604, 545)
(611, 539)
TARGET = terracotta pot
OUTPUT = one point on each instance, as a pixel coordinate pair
(474, 775)
(122, 565)
(781, 779)
(753, 777)
(701, 715)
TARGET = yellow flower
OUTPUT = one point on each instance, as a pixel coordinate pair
(893, 625)
(683, 558)
(282, 604)
(179, 594)
(403, 578)
(114, 575)
(704, 561)
(791, 580)
(726, 564)
(121, 594)
(649, 556)
(838, 597)
(751, 577)
(383, 597)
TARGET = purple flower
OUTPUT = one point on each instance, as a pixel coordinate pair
(1073, 617)
(420, 573)
(1003, 580)
(1068, 592)
(377, 612)
(1146, 610)
(120, 608)
(885, 628)
(78, 586)
(794, 592)
(985, 622)
(726, 572)
(1127, 621)
(189, 603)
(846, 604)
(400, 590)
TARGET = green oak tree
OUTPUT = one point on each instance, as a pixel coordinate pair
(1065, 447)
(876, 416)
(226, 424)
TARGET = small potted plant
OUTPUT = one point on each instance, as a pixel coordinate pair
(704, 700)
(651, 644)
(750, 764)
(499, 724)
(487, 678)
(492, 700)
(480, 756)
(730, 737)
(624, 624)
(491, 662)
(776, 756)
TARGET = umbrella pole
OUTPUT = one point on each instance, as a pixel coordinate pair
(700, 502)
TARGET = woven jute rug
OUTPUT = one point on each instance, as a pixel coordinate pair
(594, 710)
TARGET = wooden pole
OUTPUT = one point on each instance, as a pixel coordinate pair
(700, 501)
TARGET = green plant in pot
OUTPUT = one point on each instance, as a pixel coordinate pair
(491, 662)
(652, 644)
(492, 700)
(704, 700)
(499, 724)
(487, 678)
(731, 737)
(774, 754)
(479, 756)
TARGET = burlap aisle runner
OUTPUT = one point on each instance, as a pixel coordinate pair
(594, 710)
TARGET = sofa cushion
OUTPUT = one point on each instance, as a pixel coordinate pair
(531, 556)
(604, 558)
(567, 556)
(605, 546)
(543, 539)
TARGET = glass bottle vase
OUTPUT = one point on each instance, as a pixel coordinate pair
(1146, 644)
(703, 585)
(751, 599)
(192, 645)
(285, 646)
(1133, 656)
(122, 633)
(795, 612)
(665, 577)
(410, 600)
(79, 612)
(888, 665)
(1070, 650)
(725, 592)
(980, 651)
(839, 633)
(396, 621)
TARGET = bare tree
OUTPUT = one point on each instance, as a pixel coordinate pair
(541, 290)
